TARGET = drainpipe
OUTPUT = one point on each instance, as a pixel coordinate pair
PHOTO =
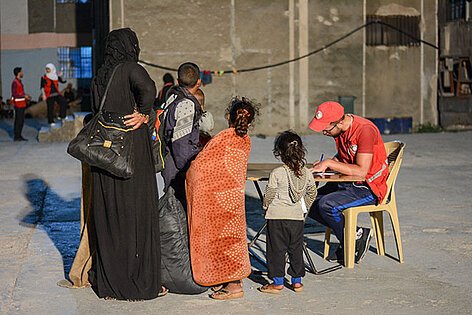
(303, 64)
(291, 66)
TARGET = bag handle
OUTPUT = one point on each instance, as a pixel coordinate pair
(106, 90)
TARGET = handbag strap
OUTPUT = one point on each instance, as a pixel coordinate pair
(106, 90)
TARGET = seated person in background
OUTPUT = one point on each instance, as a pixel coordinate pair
(361, 153)
(2, 107)
(206, 122)
(8, 107)
(68, 93)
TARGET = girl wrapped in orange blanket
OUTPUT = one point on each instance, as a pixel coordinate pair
(216, 215)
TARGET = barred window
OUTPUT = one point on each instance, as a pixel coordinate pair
(455, 10)
(75, 62)
(383, 35)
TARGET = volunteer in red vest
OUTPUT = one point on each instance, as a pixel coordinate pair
(361, 153)
(50, 91)
(18, 98)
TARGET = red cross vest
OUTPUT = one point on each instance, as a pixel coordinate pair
(347, 144)
(47, 86)
(18, 94)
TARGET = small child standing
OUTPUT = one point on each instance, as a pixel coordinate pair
(206, 122)
(289, 185)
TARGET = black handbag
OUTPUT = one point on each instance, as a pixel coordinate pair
(105, 142)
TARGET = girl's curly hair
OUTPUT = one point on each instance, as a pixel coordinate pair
(289, 147)
(242, 113)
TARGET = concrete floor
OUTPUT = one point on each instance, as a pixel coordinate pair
(40, 219)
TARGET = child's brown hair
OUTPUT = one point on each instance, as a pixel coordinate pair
(289, 147)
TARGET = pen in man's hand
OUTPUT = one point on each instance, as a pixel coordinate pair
(321, 158)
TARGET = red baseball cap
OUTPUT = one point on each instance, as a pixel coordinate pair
(325, 114)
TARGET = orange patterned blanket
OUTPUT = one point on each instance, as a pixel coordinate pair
(216, 215)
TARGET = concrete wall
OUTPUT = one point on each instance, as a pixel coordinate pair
(14, 16)
(456, 39)
(13, 20)
(402, 81)
(49, 16)
(222, 35)
(33, 63)
(202, 32)
(337, 71)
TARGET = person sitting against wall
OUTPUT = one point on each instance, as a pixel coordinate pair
(2, 107)
(69, 93)
(50, 93)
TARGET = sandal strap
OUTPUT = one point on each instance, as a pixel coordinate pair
(222, 292)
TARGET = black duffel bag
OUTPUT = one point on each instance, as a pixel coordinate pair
(176, 271)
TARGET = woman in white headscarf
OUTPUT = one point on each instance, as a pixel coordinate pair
(51, 94)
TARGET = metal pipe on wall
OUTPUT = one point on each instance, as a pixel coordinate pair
(110, 10)
(122, 13)
(303, 63)
(233, 46)
(291, 66)
(434, 109)
(422, 64)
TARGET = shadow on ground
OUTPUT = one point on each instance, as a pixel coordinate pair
(36, 123)
(58, 217)
(61, 220)
(7, 127)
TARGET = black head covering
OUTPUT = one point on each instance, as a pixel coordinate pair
(121, 46)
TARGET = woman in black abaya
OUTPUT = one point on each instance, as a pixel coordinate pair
(126, 265)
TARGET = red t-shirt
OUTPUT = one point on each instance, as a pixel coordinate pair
(364, 137)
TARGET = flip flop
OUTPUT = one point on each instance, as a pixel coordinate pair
(296, 288)
(217, 288)
(163, 292)
(224, 294)
(266, 288)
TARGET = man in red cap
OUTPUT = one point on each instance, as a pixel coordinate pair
(361, 153)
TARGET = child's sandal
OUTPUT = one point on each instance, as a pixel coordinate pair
(270, 288)
(217, 288)
(296, 287)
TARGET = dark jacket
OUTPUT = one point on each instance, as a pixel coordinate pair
(181, 132)
(162, 96)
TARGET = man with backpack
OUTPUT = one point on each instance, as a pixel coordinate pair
(181, 129)
(181, 114)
